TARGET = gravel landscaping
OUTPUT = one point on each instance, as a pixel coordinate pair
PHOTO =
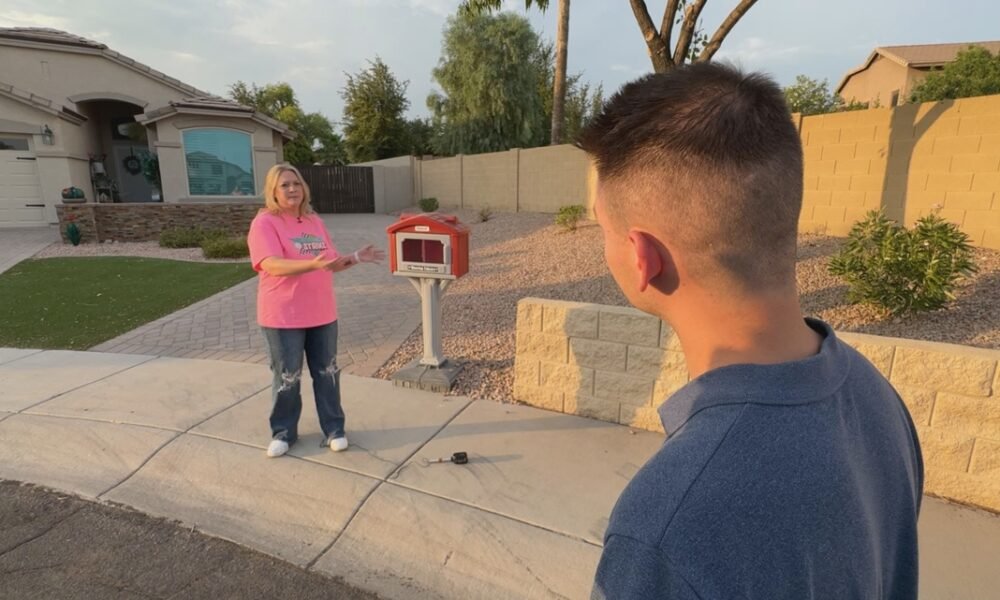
(519, 255)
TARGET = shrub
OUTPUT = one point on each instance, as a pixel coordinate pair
(570, 216)
(186, 237)
(903, 270)
(485, 213)
(429, 204)
(225, 247)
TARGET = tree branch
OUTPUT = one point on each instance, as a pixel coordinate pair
(645, 21)
(669, 16)
(716, 42)
(687, 31)
(658, 52)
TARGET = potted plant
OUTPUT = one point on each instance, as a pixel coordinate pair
(73, 195)
(151, 172)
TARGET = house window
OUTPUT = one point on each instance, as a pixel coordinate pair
(219, 162)
(13, 144)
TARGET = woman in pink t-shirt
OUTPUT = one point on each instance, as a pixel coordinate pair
(295, 260)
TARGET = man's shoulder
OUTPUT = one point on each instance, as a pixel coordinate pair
(656, 493)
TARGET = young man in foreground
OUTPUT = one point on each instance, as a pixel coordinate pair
(791, 467)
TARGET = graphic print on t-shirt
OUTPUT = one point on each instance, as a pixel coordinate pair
(308, 243)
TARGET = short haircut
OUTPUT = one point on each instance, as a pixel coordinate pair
(271, 185)
(710, 153)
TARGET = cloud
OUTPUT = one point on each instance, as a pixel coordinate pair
(438, 7)
(314, 46)
(627, 69)
(755, 50)
(442, 8)
(17, 18)
(307, 73)
(187, 57)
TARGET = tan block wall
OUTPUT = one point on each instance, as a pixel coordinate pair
(618, 364)
(846, 155)
(535, 180)
(393, 183)
(904, 160)
(441, 178)
(907, 161)
(552, 177)
(490, 180)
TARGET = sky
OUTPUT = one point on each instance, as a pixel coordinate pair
(311, 44)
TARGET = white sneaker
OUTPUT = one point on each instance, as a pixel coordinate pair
(338, 444)
(277, 448)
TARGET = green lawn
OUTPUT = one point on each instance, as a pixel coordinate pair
(77, 303)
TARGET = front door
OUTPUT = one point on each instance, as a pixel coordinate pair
(132, 187)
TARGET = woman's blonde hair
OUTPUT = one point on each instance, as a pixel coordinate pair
(271, 184)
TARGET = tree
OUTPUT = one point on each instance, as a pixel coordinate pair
(691, 45)
(975, 72)
(562, 43)
(419, 137)
(489, 80)
(271, 99)
(315, 139)
(375, 101)
(813, 97)
(810, 96)
(331, 149)
(582, 101)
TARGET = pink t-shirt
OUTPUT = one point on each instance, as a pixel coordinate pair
(292, 301)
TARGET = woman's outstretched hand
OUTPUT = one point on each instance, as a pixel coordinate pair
(370, 254)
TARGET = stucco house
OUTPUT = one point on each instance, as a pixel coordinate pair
(74, 112)
(890, 73)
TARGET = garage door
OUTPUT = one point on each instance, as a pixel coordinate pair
(20, 192)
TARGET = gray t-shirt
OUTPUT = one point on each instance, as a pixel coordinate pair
(796, 480)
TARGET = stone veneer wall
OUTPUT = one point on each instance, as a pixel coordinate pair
(618, 364)
(144, 222)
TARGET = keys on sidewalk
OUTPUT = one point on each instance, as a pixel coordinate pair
(459, 458)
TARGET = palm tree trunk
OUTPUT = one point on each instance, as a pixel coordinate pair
(559, 86)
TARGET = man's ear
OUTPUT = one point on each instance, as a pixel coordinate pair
(649, 260)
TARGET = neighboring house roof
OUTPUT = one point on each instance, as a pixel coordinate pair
(924, 56)
(41, 103)
(49, 36)
(54, 39)
(199, 102)
(208, 104)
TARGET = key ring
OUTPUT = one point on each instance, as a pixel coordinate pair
(459, 458)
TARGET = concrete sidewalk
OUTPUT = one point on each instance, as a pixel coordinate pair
(17, 244)
(185, 439)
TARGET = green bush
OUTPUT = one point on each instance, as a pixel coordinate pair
(225, 247)
(186, 237)
(485, 213)
(429, 204)
(903, 270)
(569, 216)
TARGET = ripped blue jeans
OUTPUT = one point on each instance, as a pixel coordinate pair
(286, 347)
